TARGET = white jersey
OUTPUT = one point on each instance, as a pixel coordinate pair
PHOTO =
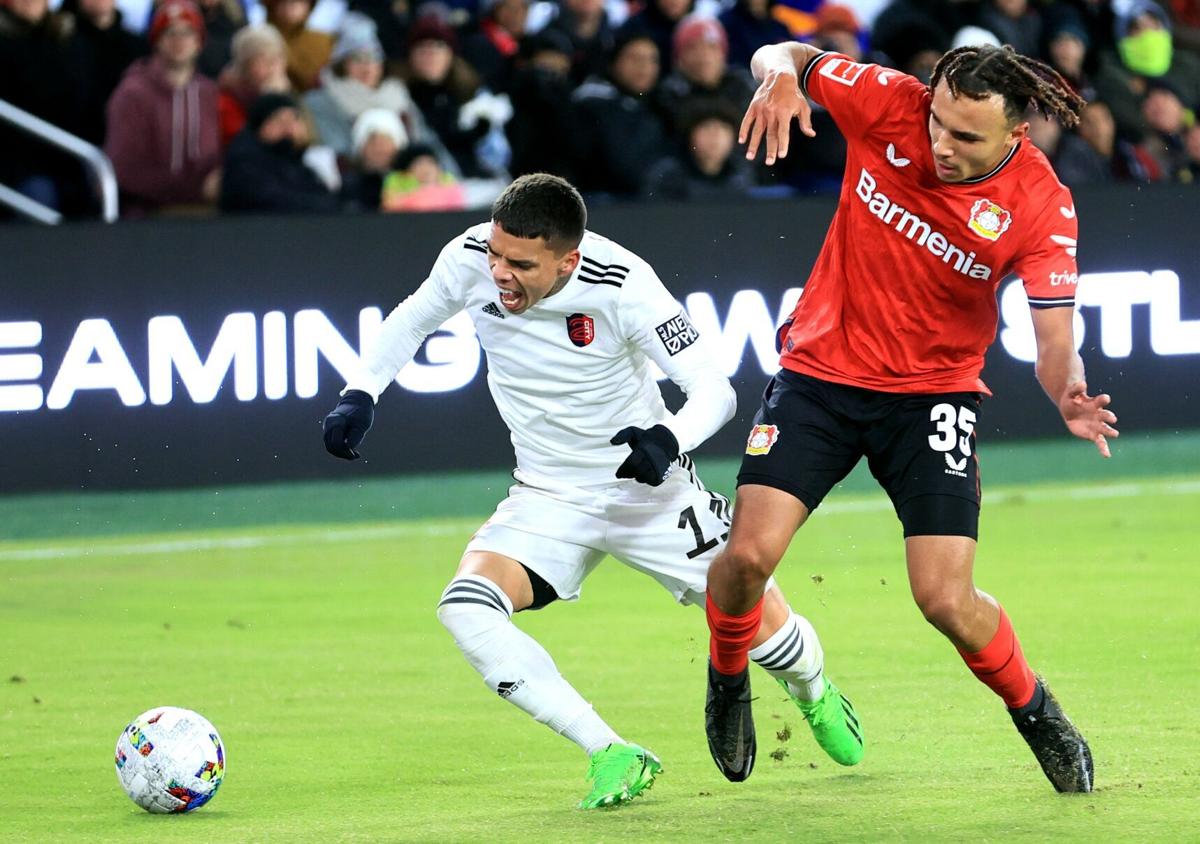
(572, 370)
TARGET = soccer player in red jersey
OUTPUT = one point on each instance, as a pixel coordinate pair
(943, 196)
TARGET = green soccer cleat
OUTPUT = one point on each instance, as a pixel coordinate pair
(834, 723)
(619, 773)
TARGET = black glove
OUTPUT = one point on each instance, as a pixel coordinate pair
(781, 334)
(349, 422)
(654, 450)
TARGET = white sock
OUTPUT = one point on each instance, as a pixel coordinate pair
(793, 653)
(479, 616)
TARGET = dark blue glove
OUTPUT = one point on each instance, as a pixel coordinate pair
(781, 334)
(653, 452)
(349, 422)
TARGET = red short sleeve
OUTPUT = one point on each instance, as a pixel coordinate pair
(857, 95)
(1047, 267)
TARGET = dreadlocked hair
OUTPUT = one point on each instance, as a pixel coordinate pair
(980, 71)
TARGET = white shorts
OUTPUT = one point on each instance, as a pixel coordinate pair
(671, 532)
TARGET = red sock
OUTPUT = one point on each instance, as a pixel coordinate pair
(1002, 667)
(731, 636)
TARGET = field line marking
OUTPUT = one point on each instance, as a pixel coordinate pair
(450, 528)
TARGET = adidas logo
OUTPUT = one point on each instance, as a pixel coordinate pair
(492, 309)
(506, 688)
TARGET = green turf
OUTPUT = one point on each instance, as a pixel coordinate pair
(348, 715)
(475, 494)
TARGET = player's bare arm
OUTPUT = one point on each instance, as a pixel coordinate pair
(778, 100)
(1060, 372)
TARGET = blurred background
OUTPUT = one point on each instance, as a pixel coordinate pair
(281, 174)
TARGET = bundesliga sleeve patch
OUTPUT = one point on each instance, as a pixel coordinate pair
(677, 334)
(842, 71)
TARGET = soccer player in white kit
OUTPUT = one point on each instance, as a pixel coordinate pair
(572, 325)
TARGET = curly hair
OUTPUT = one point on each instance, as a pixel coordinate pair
(981, 71)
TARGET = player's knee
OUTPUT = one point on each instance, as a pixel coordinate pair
(749, 563)
(948, 610)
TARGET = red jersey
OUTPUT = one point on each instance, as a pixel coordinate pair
(902, 298)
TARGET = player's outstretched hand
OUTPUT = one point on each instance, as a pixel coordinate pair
(348, 423)
(1088, 417)
(653, 452)
(776, 102)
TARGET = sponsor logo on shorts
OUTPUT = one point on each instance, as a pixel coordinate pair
(677, 334)
(762, 437)
(581, 328)
(956, 467)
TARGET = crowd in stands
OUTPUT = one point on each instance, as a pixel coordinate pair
(417, 105)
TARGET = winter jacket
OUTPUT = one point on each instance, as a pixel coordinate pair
(272, 178)
(616, 138)
(36, 63)
(163, 141)
(677, 178)
(340, 100)
(104, 56)
(307, 52)
(747, 33)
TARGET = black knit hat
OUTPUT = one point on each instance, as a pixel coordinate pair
(265, 106)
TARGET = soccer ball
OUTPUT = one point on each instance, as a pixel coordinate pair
(170, 760)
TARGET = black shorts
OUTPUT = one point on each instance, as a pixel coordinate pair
(810, 433)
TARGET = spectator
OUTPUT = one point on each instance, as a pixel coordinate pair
(104, 50)
(378, 139)
(585, 23)
(1123, 160)
(1075, 161)
(1192, 174)
(701, 70)
(1186, 16)
(913, 39)
(392, 19)
(1168, 123)
(539, 133)
(308, 50)
(708, 167)
(974, 36)
(264, 167)
(1044, 132)
(259, 66)
(353, 83)
(1144, 53)
(838, 30)
(163, 131)
(420, 184)
(616, 135)
(1099, 21)
(36, 75)
(1066, 50)
(222, 19)
(749, 25)
(440, 83)
(492, 48)
(658, 19)
(1013, 22)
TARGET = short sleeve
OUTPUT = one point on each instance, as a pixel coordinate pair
(1047, 267)
(857, 95)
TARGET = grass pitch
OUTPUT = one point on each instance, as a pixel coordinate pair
(348, 715)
